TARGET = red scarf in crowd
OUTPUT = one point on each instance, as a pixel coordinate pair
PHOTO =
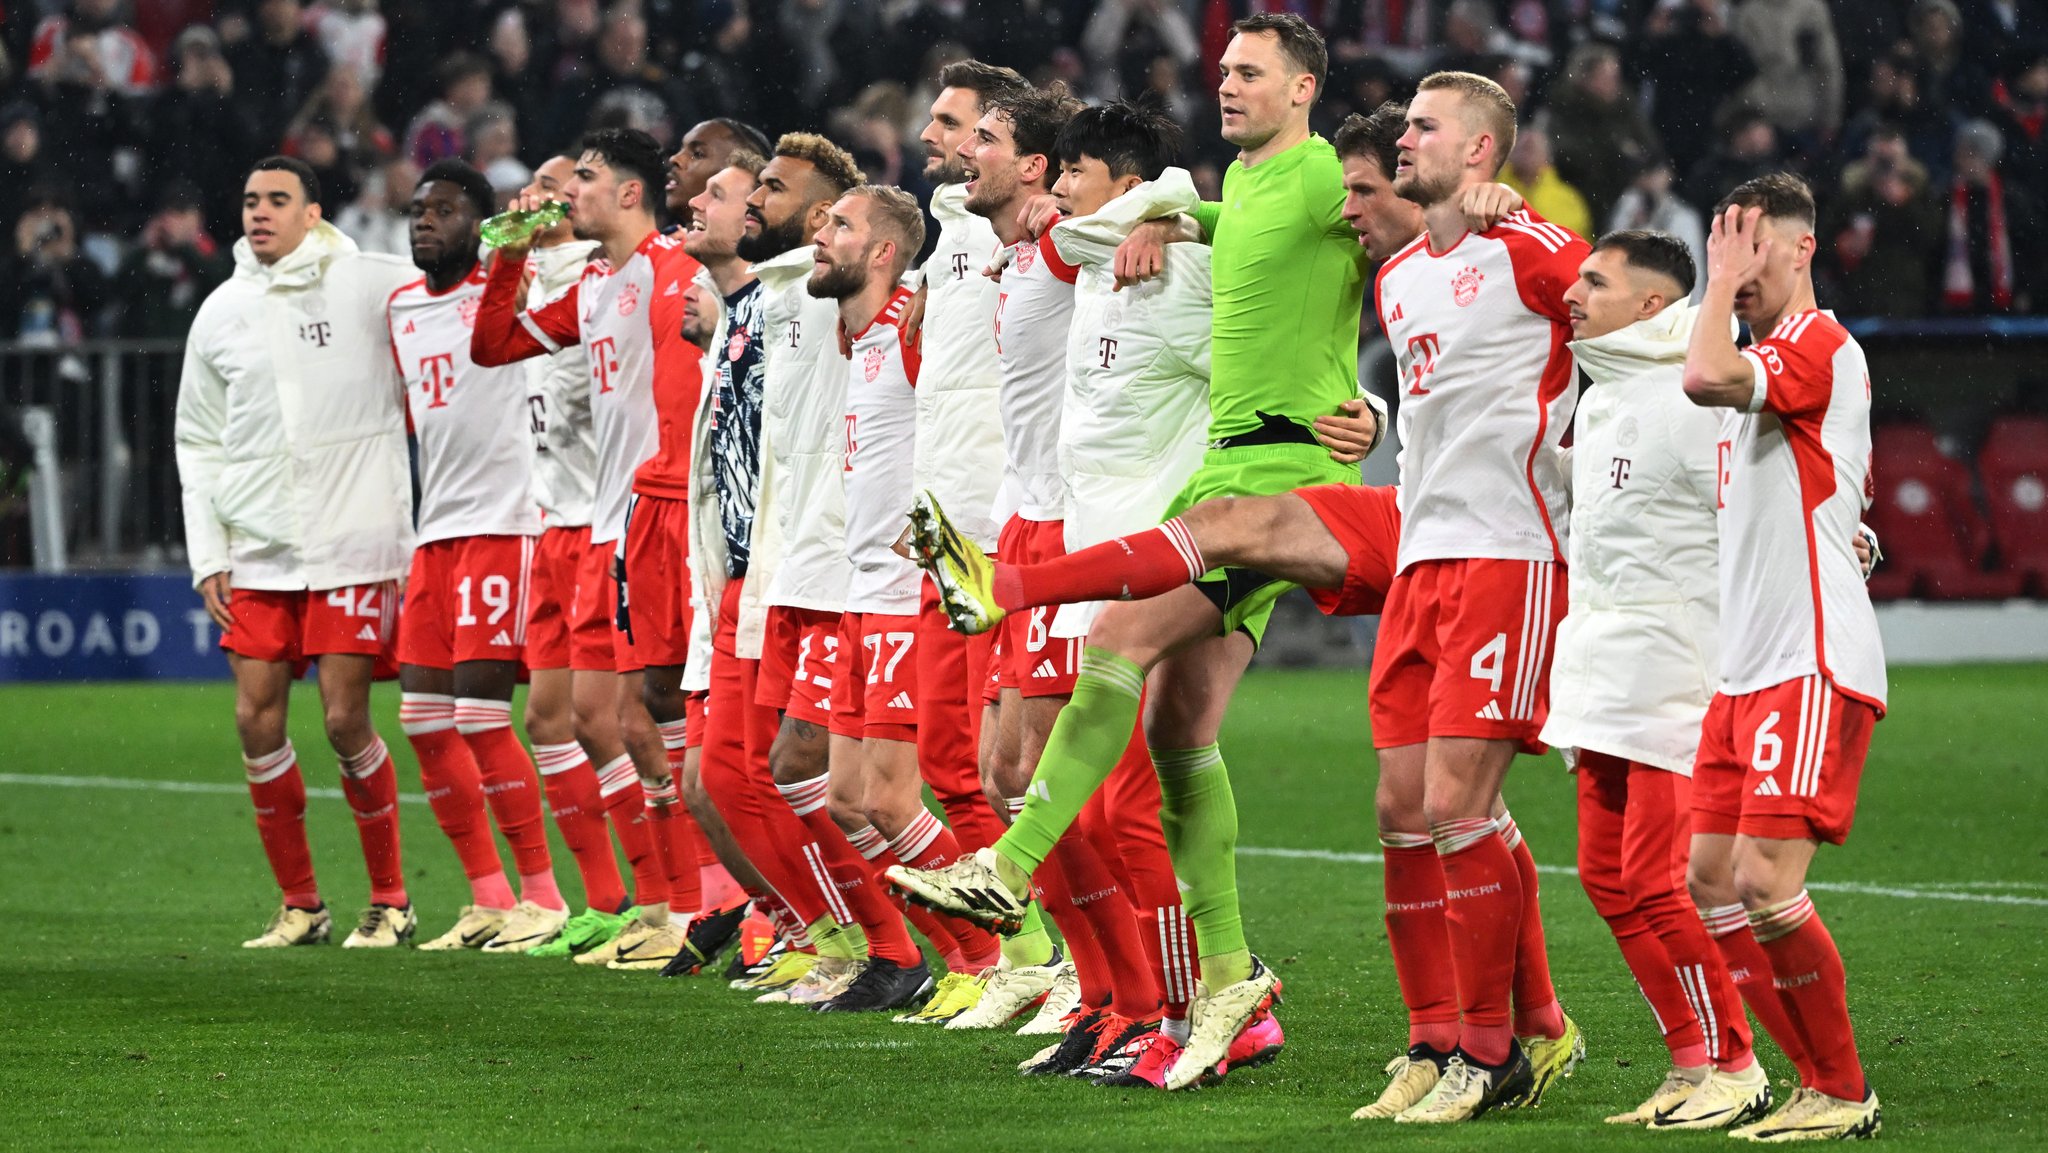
(1959, 286)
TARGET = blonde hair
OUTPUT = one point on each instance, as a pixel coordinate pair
(1491, 102)
(896, 213)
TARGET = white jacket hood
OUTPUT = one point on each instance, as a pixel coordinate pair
(301, 267)
(1625, 352)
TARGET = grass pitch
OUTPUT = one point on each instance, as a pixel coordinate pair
(131, 1018)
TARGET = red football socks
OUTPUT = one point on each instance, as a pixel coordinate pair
(1806, 969)
(1750, 970)
(511, 790)
(455, 792)
(280, 796)
(925, 843)
(570, 785)
(1128, 568)
(1420, 940)
(853, 894)
(1537, 1013)
(1483, 912)
(618, 786)
(370, 782)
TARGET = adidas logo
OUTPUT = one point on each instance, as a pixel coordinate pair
(824, 706)
(369, 633)
(673, 288)
(503, 639)
(1038, 789)
(1491, 712)
(1045, 669)
(409, 330)
(1768, 787)
(901, 701)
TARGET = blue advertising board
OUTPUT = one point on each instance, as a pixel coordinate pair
(106, 627)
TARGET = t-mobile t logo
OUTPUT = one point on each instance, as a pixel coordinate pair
(959, 266)
(1105, 350)
(1619, 470)
(437, 378)
(316, 333)
(604, 361)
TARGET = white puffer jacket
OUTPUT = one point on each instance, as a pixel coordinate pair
(959, 426)
(291, 422)
(1638, 652)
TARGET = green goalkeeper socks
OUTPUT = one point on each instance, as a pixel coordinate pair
(1199, 816)
(1083, 748)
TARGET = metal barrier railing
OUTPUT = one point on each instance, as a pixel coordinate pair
(98, 417)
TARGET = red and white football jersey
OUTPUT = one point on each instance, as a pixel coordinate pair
(644, 377)
(881, 436)
(1794, 481)
(475, 433)
(1487, 390)
(1034, 307)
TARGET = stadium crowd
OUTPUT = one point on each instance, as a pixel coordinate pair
(1920, 123)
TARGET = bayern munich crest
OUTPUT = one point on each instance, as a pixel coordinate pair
(737, 346)
(1027, 255)
(629, 299)
(467, 310)
(1465, 285)
(871, 364)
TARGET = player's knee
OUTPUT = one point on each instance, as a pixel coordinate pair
(1709, 883)
(260, 724)
(1758, 882)
(348, 726)
(847, 813)
(1649, 890)
(1604, 888)
(549, 726)
(1398, 814)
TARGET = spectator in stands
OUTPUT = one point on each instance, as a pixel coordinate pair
(97, 130)
(515, 75)
(1530, 172)
(316, 143)
(1651, 201)
(624, 89)
(1124, 37)
(437, 133)
(1472, 35)
(159, 289)
(494, 150)
(1894, 96)
(1749, 149)
(199, 129)
(277, 69)
(2022, 117)
(2004, 35)
(1993, 235)
(1953, 83)
(130, 67)
(23, 165)
(380, 219)
(352, 33)
(1598, 136)
(50, 293)
(1692, 60)
(1880, 238)
(344, 106)
(1798, 86)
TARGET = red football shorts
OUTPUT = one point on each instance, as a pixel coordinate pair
(466, 600)
(1782, 763)
(1035, 662)
(1464, 651)
(657, 585)
(569, 625)
(878, 676)
(293, 625)
(1367, 524)
(800, 666)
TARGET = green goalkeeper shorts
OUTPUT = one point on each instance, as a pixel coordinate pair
(1246, 596)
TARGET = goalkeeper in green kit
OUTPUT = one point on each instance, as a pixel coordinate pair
(1289, 278)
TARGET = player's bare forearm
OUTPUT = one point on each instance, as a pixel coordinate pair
(1717, 375)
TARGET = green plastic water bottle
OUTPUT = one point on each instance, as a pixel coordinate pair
(516, 227)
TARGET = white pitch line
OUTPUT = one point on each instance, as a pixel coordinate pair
(1911, 893)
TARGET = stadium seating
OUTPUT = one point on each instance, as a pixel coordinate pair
(2014, 464)
(1935, 539)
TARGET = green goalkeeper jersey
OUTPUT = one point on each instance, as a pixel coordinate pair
(1289, 277)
